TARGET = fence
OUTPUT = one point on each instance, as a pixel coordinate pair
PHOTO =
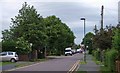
(23, 58)
(118, 66)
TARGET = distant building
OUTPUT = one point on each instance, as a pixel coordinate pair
(119, 12)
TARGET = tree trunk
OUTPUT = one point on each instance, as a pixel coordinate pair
(34, 54)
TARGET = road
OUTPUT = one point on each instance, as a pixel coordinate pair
(62, 63)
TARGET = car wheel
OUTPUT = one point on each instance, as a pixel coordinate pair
(12, 60)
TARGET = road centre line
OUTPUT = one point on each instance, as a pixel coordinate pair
(74, 67)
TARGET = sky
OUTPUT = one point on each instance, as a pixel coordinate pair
(69, 11)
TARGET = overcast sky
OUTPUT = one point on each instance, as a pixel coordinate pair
(69, 11)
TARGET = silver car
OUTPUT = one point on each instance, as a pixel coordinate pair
(9, 56)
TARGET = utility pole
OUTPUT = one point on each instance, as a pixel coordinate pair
(101, 30)
(102, 18)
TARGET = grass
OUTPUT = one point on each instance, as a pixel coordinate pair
(41, 60)
(38, 60)
(97, 62)
(104, 69)
(83, 62)
(24, 64)
(5, 63)
(30, 62)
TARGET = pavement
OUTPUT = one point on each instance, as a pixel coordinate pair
(90, 66)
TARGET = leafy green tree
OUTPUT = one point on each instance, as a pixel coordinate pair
(20, 46)
(28, 24)
(7, 35)
(23, 45)
(29, 27)
(9, 45)
(88, 41)
(59, 35)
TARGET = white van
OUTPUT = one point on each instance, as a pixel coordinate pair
(68, 51)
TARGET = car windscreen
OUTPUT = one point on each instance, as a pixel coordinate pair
(67, 50)
(3, 54)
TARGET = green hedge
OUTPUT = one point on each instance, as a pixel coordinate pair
(96, 54)
(110, 57)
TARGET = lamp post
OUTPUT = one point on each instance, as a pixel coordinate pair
(30, 55)
(45, 52)
(31, 45)
(84, 40)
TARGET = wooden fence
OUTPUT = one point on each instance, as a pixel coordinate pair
(118, 66)
(23, 58)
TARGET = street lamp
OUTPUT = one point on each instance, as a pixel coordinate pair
(31, 44)
(84, 40)
(84, 25)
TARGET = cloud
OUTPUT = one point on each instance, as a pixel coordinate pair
(69, 11)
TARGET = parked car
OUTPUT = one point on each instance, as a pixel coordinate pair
(68, 51)
(9, 56)
(73, 51)
(79, 50)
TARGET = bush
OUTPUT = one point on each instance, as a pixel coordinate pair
(116, 41)
(110, 57)
(96, 54)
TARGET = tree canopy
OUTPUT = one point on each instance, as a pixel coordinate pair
(29, 27)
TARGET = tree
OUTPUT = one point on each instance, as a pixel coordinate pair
(60, 35)
(28, 24)
(23, 46)
(9, 45)
(89, 41)
(7, 35)
(103, 39)
(29, 27)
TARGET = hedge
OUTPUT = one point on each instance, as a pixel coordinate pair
(110, 58)
(96, 54)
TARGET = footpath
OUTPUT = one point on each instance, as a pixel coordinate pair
(89, 67)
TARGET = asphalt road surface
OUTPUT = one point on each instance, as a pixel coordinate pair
(60, 63)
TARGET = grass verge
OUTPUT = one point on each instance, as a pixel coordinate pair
(104, 69)
(5, 63)
(97, 62)
(30, 63)
(83, 62)
(24, 64)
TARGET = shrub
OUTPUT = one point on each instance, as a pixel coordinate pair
(110, 57)
(116, 41)
(96, 54)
